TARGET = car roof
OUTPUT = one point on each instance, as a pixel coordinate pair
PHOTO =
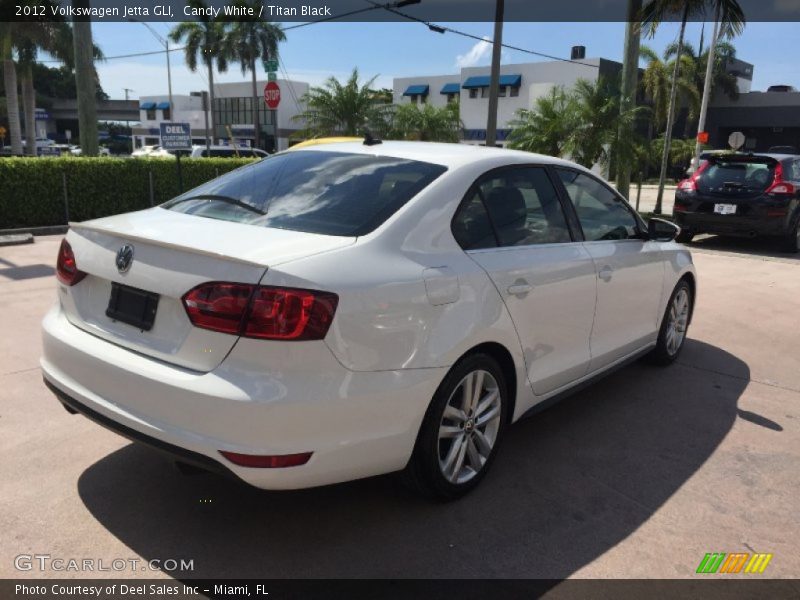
(450, 155)
(775, 155)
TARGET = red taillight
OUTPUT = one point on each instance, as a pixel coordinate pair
(277, 461)
(779, 186)
(261, 311)
(67, 270)
(690, 184)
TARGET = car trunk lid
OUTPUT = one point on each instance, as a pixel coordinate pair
(173, 253)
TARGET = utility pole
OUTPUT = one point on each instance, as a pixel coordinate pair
(127, 126)
(494, 85)
(630, 81)
(164, 42)
(701, 123)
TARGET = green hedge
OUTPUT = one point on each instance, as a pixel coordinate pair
(32, 189)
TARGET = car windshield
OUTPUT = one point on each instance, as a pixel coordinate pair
(331, 193)
(749, 175)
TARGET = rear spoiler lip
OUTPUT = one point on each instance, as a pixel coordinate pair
(163, 244)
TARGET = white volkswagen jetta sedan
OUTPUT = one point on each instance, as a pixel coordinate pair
(350, 309)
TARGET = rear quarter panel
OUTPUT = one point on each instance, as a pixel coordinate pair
(386, 319)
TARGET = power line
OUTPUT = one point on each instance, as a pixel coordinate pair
(432, 26)
(442, 29)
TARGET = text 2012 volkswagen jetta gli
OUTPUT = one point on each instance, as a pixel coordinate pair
(347, 310)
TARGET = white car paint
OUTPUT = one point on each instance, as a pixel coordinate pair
(411, 304)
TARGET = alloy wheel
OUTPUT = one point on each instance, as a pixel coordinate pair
(469, 426)
(678, 321)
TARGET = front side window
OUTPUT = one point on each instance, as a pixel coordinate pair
(330, 193)
(602, 213)
(519, 206)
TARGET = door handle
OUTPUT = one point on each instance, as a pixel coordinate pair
(605, 273)
(519, 288)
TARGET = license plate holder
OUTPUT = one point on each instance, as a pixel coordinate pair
(725, 209)
(132, 306)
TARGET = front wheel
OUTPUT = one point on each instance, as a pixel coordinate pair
(672, 334)
(461, 431)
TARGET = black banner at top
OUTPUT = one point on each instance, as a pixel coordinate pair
(291, 11)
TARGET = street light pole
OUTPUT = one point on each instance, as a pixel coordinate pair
(164, 42)
(494, 85)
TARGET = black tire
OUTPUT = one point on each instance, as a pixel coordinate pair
(663, 354)
(791, 242)
(684, 237)
(423, 473)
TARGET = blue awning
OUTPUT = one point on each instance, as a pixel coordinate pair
(147, 105)
(450, 88)
(162, 105)
(480, 81)
(416, 90)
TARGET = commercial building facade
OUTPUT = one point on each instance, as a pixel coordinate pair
(520, 86)
(231, 114)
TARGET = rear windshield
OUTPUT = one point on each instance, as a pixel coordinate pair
(331, 193)
(745, 175)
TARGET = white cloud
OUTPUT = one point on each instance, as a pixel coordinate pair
(475, 55)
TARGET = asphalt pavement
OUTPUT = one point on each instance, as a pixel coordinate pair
(637, 476)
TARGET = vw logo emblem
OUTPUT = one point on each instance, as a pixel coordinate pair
(124, 258)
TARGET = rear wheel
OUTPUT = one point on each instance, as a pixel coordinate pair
(461, 431)
(672, 334)
(684, 237)
(791, 242)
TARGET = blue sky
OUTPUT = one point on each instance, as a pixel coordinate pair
(400, 49)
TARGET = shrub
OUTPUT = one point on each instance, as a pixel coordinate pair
(32, 189)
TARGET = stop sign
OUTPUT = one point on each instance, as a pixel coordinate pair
(272, 95)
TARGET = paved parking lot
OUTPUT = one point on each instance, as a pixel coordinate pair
(637, 476)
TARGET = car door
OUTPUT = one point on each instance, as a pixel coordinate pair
(512, 223)
(630, 268)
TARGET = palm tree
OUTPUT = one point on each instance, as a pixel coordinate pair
(54, 37)
(204, 39)
(546, 127)
(599, 117)
(653, 14)
(8, 35)
(253, 40)
(427, 123)
(656, 83)
(342, 108)
(582, 124)
(656, 11)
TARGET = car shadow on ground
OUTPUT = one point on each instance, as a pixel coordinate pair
(756, 246)
(568, 485)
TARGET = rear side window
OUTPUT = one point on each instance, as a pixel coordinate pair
(331, 193)
(754, 176)
(512, 207)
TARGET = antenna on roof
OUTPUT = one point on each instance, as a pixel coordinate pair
(369, 139)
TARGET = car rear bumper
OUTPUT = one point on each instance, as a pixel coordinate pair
(356, 424)
(731, 224)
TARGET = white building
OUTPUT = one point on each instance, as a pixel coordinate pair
(520, 86)
(232, 112)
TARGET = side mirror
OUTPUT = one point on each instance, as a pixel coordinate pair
(660, 230)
